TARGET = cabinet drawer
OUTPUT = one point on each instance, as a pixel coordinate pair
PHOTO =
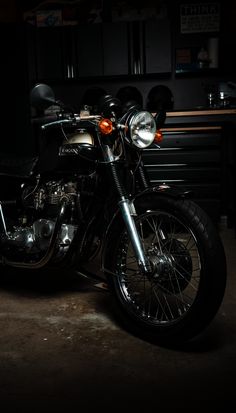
(176, 156)
(177, 140)
(184, 174)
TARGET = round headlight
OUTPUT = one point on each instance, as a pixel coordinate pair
(142, 128)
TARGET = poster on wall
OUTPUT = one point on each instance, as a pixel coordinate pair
(200, 17)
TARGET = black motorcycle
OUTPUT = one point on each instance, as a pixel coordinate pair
(87, 198)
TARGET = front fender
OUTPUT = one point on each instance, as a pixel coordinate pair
(141, 199)
(164, 189)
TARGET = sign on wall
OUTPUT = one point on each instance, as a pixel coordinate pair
(199, 17)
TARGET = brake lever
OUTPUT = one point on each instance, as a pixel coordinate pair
(60, 122)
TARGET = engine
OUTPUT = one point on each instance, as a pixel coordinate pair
(36, 239)
(41, 206)
(47, 196)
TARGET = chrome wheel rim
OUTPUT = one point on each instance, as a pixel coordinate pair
(169, 292)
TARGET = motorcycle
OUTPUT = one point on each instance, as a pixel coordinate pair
(159, 253)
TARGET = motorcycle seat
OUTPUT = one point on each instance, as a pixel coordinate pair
(12, 165)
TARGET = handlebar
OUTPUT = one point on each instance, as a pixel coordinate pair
(70, 121)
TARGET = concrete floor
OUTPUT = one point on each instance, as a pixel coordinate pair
(62, 350)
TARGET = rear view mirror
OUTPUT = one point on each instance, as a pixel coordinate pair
(42, 96)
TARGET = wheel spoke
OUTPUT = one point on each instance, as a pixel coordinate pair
(168, 293)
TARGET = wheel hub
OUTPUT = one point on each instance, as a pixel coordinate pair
(172, 267)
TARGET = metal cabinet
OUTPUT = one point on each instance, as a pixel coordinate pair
(99, 50)
(49, 53)
(157, 36)
(115, 40)
(88, 45)
(191, 158)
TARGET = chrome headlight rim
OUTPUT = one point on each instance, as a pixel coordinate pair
(136, 136)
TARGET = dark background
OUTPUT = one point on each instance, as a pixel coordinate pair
(31, 54)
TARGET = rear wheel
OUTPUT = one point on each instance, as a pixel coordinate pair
(186, 286)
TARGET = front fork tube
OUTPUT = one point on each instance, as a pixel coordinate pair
(128, 212)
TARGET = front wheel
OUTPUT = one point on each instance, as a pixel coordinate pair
(185, 288)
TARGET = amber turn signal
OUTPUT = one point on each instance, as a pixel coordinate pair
(105, 126)
(158, 136)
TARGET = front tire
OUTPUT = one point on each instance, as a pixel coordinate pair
(185, 290)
